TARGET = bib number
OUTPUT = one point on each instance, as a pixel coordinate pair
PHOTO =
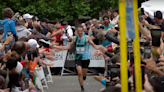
(80, 50)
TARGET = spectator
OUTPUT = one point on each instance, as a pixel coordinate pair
(67, 31)
(39, 32)
(22, 31)
(11, 66)
(57, 32)
(158, 17)
(104, 10)
(9, 25)
(107, 26)
(28, 18)
(94, 36)
(33, 44)
(115, 17)
(19, 47)
(110, 15)
(94, 21)
(44, 24)
(101, 16)
(2, 81)
(89, 30)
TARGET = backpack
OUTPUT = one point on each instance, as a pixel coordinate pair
(73, 30)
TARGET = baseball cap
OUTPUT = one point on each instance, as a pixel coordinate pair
(27, 16)
(33, 43)
(158, 14)
(45, 20)
(65, 23)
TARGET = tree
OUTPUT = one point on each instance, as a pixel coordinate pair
(59, 9)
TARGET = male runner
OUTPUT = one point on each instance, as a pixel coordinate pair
(82, 58)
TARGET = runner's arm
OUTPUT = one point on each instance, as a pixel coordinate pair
(92, 43)
(66, 47)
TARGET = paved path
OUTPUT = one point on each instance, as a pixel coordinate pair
(71, 84)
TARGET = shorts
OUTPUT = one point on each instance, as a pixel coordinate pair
(103, 82)
(82, 63)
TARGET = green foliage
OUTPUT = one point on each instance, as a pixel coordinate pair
(58, 9)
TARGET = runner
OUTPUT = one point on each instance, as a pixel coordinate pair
(82, 58)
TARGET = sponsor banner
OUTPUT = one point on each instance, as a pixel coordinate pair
(59, 58)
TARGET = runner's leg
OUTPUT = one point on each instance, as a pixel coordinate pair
(85, 65)
(85, 71)
(80, 75)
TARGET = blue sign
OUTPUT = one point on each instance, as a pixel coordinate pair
(130, 30)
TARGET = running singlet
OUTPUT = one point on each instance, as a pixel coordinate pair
(82, 49)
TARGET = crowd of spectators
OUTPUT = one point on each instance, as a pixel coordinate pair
(26, 41)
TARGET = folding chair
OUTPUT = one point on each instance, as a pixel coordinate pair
(42, 77)
(39, 84)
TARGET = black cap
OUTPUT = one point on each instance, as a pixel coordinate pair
(45, 20)
(87, 23)
(158, 14)
(65, 23)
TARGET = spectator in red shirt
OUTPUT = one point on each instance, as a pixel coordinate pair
(57, 33)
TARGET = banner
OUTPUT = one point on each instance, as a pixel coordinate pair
(95, 61)
(59, 58)
(66, 58)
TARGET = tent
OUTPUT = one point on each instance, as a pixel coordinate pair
(152, 6)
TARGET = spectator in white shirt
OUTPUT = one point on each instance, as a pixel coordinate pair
(67, 31)
(115, 17)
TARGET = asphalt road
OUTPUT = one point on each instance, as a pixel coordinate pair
(71, 84)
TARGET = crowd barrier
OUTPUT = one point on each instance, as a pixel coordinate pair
(65, 59)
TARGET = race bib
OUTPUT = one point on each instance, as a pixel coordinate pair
(80, 50)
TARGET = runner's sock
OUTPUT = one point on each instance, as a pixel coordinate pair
(82, 88)
(84, 78)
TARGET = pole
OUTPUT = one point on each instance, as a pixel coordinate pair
(137, 59)
(123, 46)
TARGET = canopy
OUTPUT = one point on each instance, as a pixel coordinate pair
(152, 6)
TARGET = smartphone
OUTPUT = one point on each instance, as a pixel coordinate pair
(142, 44)
(17, 16)
(26, 80)
(9, 33)
(142, 11)
(7, 47)
(29, 55)
(114, 71)
(147, 52)
(129, 45)
(101, 27)
(1, 29)
(140, 18)
(117, 50)
(156, 35)
(143, 72)
(36, 18)
(41, 44)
